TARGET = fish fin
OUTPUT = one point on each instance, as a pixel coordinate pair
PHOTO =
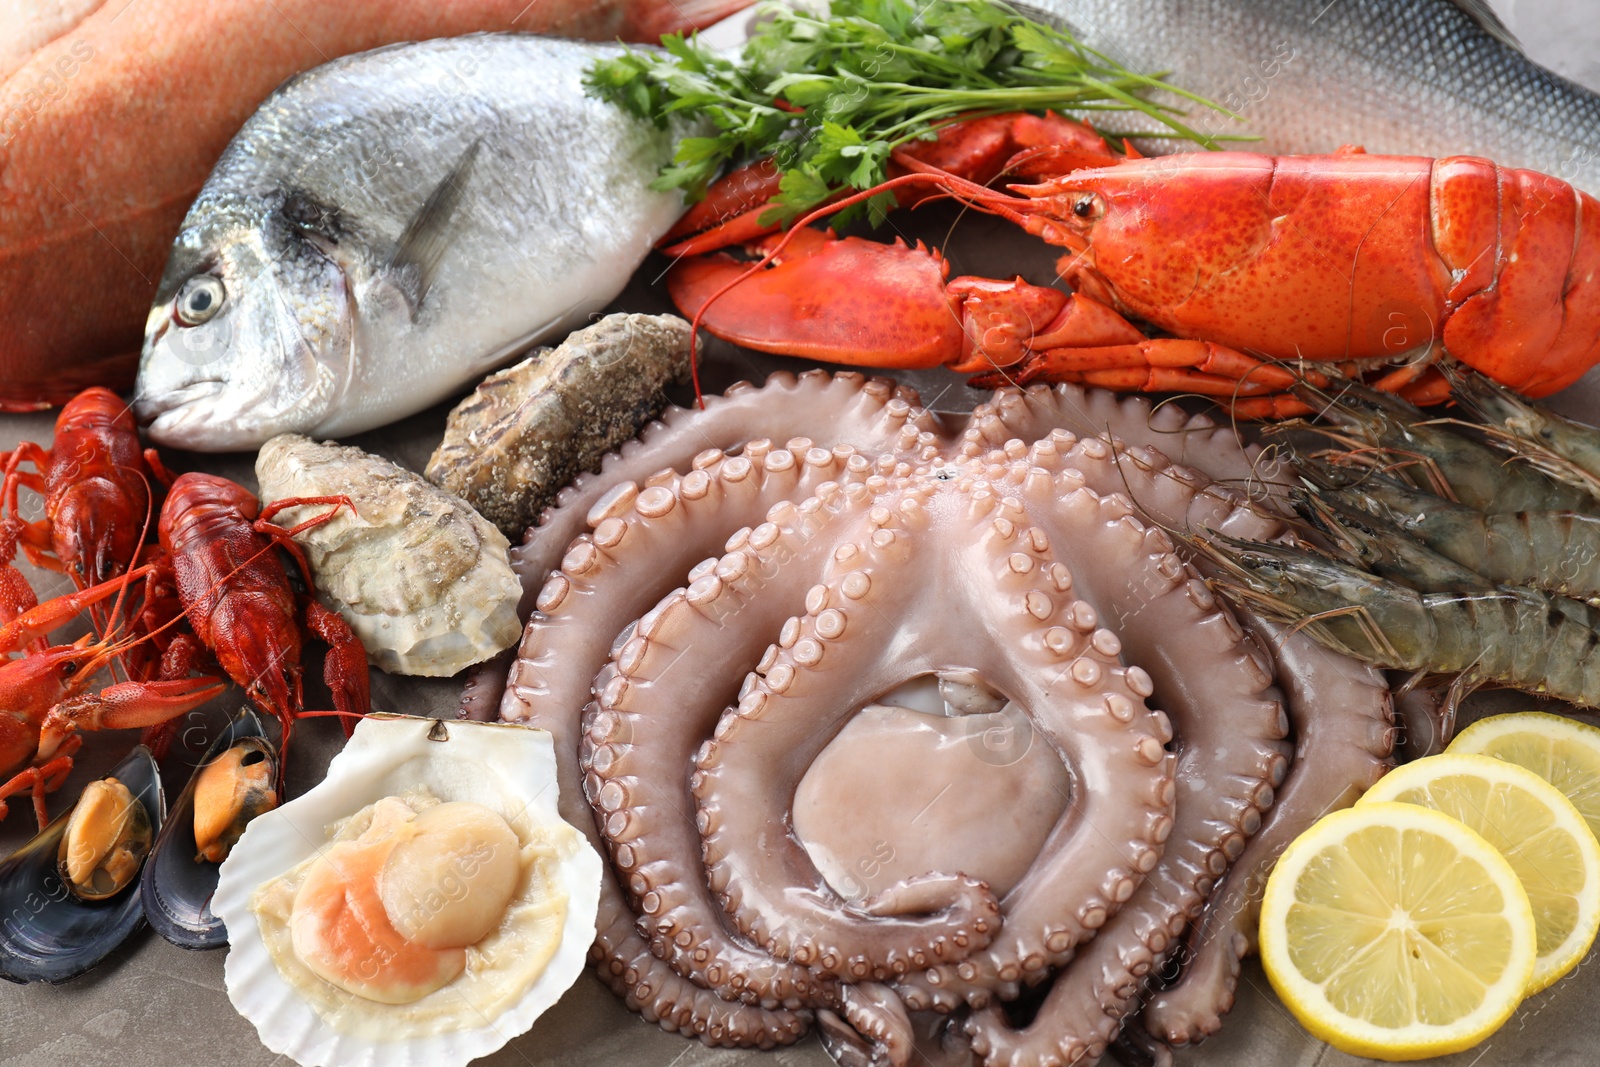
(1480, 12)
(423, 243)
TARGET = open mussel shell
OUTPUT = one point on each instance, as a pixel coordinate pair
(177, 888)
(46, 932)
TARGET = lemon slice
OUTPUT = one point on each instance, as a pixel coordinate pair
(1535, 828)
(1395, 932)
(1562, 752)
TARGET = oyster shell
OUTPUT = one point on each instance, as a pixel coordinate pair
(528, 430)
(422, 578)
(509, 769)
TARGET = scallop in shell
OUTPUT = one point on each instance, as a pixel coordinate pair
(422, 578)
(302, 1009)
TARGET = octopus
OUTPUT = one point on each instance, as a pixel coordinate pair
(926, 731)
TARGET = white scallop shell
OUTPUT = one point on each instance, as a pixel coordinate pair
(494, 764)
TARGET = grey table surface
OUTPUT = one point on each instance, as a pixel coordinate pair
(152, 1003)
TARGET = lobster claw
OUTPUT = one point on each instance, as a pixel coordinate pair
(840, 300)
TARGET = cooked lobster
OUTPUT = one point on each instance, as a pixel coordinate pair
(1247, 261)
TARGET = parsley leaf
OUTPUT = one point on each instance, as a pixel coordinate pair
(831, 98)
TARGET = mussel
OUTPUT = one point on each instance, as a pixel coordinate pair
(106, 840)
(229, 791)
(51, 931)
(235, 782)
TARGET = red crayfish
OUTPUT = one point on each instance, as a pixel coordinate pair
(215, 566)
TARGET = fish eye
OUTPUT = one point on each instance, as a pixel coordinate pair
(1089, 206)
(200, 298)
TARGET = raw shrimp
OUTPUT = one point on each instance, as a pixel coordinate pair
(1557, 551)
(1383, 432)
(1505, 635)
(1565, 449)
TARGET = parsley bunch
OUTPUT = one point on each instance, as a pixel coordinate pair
(830, 98)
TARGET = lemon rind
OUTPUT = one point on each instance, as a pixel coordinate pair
(1538, 723)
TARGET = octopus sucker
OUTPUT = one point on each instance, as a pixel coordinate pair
(1188, 442)
(758, 612)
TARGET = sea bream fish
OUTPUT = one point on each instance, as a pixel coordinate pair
(391, 226)
(1409, 77)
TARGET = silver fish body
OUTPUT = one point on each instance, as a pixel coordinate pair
(387, 228)
(1411, 77)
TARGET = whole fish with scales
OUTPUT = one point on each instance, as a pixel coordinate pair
(391, 226)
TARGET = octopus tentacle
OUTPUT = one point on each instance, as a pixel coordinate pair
(875, 1012)
(600, 589)
(662, 996)
(621, 957)
(1350, 751)
(486, 687)
(654, 704)
(873, 414)
(1229, 722)
(848, 408)
(1192, 441)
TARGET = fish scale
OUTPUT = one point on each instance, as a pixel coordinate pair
(1409, 77)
